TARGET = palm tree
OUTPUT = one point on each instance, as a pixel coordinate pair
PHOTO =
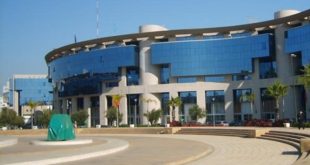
(305, 78)
(174, 102)
(33, 105)
(277, 91)
(116, 99)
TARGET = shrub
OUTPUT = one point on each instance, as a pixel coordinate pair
(153, 116)
(44, 118)
(196, 113)
(9, 118)
(258, 123)
(175, 124)
(80, 117)
(111, 115)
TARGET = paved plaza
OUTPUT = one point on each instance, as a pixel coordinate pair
(155, 149)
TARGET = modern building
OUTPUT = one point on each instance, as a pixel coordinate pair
(21, 89)
(211, 67)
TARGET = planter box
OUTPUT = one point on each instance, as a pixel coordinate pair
(287, 125)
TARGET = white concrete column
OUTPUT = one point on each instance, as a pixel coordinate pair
(256, 69)
(123, 109)
(257, 112)
(15, 101)
(103, 109)
(201, 102)
(89, 117)
(229, 105)
(148, 102)
(87, 105)
(74, 104)
(149, 74)
(123, 81)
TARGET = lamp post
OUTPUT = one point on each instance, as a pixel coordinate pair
(293, 86)
(135, 112)
(213, 113)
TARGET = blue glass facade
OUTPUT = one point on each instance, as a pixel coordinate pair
(298, 40)
(212, 57)
(35, 89)
(103, 61)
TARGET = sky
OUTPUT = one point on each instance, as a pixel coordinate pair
(29, 29)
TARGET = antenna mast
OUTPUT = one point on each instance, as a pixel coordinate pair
(97, 11)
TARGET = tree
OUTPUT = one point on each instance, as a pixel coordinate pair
(277, 91)
(173, 103)
(305, 77)
(33, 105)
(116, 99)
(9, 118)
(45, 118)
(111, 115)
(153, 115)
(196, 113)
(79, 117)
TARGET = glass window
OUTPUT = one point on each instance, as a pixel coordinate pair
(189, 99)
(165, 107)
(111, 84)
(298, 40)
(243, 105)
(35, 89)
(164, 74)
(268, 104)
(80, 103)
(133, 76)
(215, 104)
(186, 79)
(133, 112)
(211, 57)
(215, 79)
(267, 68)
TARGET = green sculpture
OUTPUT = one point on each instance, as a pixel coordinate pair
(60, 128)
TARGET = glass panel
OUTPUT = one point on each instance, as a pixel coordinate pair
(215, 104)
(133, 76)
(186, 79)
(211, 57)
(298, 40)
(243, 107)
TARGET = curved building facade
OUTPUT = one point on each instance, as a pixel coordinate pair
(213, 68)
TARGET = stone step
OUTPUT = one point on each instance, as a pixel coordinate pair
(216, 134)
(294, 144)
(287, 135)
(291, 133)
(282, 136)
(219, 132)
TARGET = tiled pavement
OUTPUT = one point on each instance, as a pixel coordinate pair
(174, 149)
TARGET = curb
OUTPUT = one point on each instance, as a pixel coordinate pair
(111, 148)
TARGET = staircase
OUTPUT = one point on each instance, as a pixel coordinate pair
(215, 131)
(291, 138)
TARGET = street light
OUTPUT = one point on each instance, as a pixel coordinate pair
(293, 86)
(213, 99)
(135, 111)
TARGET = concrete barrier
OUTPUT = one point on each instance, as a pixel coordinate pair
(305, 145)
